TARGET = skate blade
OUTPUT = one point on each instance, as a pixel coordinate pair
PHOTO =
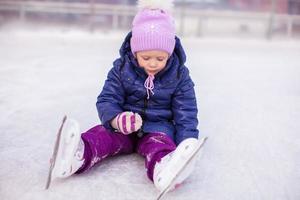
(54, 155)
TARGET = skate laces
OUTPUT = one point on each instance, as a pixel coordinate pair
(80, 150)
(166, 159)
(149, 85)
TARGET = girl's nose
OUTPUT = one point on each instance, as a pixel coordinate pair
(152, 63)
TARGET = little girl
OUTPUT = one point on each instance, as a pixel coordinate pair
(147, 105)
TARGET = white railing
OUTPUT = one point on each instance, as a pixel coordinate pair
(189, 21)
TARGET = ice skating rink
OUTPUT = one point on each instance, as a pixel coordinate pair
(249, 106)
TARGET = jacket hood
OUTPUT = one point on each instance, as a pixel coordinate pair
(178, 56)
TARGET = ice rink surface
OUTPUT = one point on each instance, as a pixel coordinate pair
(249, 106)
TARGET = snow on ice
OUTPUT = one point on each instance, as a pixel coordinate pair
(249, 106)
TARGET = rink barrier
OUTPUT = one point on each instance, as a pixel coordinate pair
(190, 22)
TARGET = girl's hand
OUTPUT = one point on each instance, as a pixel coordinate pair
(127, 122)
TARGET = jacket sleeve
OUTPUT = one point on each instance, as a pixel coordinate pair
(184, 107)
(110, 101)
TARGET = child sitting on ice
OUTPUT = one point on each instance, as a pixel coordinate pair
(147, 105)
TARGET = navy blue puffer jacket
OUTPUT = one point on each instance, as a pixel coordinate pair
(171, 110)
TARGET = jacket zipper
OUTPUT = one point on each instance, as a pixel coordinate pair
(144, 108)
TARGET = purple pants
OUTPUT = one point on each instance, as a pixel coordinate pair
(100, 143)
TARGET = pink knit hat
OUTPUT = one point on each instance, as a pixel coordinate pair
(153, 29)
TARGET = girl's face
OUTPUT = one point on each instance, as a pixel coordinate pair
(152, 61)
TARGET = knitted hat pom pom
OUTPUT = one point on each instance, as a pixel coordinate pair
(165, 5)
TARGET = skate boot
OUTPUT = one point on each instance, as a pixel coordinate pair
(176, 166)
(70, 151)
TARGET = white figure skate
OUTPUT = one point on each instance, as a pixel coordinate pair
(176, 166)
(68, 151)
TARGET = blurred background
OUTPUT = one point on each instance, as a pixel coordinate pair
(243, 56)
(194, 18)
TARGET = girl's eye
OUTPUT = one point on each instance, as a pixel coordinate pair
(160, 59)
(145, 58)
